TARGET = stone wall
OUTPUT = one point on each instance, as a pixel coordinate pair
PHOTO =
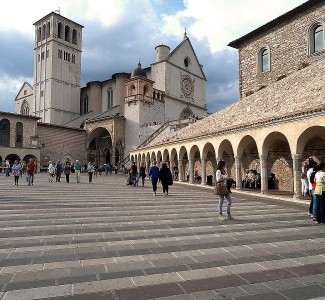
(288, 45)
(61, 141)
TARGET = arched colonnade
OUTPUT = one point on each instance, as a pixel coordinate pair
(273, 148)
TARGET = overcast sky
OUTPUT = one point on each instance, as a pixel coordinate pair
(119, 32)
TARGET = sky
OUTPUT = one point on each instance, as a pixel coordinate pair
(117, 33)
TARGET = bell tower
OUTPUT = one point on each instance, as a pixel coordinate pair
(57, 68)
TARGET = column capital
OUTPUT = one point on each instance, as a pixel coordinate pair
(203, 159)
(296, 156)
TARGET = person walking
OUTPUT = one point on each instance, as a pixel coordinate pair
(16, 171)
(165, 177)
(51, 170)
(320, 194)
(154, 175)
(222, 177)
(67, 171)
(58, 171)
(7, 168)
(77, 167)
(90, 171)
(142, 173)
(31, 168)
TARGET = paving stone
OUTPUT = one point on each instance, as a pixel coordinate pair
(307, 292)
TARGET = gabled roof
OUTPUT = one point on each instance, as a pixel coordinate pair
(23, 87)
(281, 19)
(186, 39)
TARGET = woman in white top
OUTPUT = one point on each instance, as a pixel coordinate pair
(320, 195)
(222, 176)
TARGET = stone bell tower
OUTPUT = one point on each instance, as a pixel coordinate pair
(57, 67)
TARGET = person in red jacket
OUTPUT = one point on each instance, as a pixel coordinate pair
(30, 171)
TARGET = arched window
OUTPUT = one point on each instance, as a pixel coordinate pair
(84, 105)
(5, 133)
(145, 91)
(67, 33)
(109, 99)
(263, 60)
(74, 36)
(24, 108)
(43, 31)
(39, 34)
(60, 30)
(132, 90)
(48, 30)
(19, 134)
(318, 38)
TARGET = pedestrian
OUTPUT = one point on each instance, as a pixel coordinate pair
(320, 194)
(67, 171)
(133, 173)
(165, 177)
(90, 171)
(142, 173)
(77, 167)
(154, 175)
(58, 171)
(222, 176)
(51, 170)
(7, 167)
(16, 171)
(31, 168)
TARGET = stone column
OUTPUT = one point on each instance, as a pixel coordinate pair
(180, 170)
(171, 163)
(296, 168)
(204, 171)
(238, 173)
(214, 163)
(190, 171)
(263, 164)
(147, 167)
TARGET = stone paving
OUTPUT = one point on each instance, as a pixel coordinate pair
(106, 240)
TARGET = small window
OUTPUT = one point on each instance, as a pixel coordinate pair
(74, 36)
(318, 39)
(60, 30)
(42, 93)
(25, 92)
(263, 60)
(19, 134)
(67, 34)
(186, 62)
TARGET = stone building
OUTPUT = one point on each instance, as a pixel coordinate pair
(279, 120)
(117, 114)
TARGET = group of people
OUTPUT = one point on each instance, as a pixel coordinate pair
(313, 183)
(19, 168)
(252, 179)
(163, 175)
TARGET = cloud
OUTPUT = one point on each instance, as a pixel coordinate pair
(119, 33)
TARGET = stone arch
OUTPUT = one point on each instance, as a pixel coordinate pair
(248, 152)
(66, 157)
(186, 113)
(226, 153)
(100, 146)
(159, 158)
(165, 156)
(12, 157)
(153, 157)
(209, 154)
(278, 154)
(311, 143)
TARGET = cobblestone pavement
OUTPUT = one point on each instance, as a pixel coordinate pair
(106, 240)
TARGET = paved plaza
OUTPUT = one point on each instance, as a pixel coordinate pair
(106, 240)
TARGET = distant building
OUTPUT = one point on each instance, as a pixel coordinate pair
(279, 120)
(117, 114)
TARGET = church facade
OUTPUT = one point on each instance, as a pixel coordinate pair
(112, 116)
(279, 120)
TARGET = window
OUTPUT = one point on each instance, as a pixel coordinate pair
(42, 93)
(5, 133)
(39, 34)
(59, 53)
(73, 58)
(48, 30)
(25, 92)
(109, 99)
(43, 31)
(60, 30)
(263, 60)
(42, 55)
(47, 53)
(74, 36)
(19, 134)
(316, 38)
(84, 105)
(24, 108)
(67, 33)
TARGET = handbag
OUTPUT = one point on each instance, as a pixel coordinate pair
(319, 188)
(221, 189)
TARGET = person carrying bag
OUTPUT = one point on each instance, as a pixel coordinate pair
(222, 191)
